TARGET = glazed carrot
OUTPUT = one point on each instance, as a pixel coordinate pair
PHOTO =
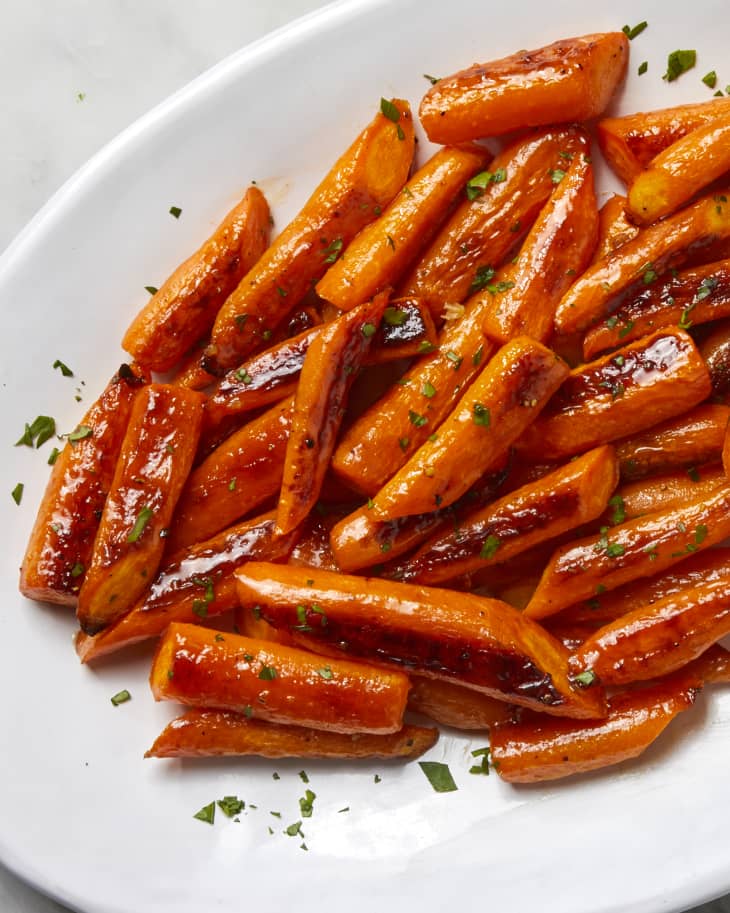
(570, 496)
(154, 461)
(475, 438)
(191, 373)
(220, 733)
(636, 387)
(406, 330)
(557, 248)
(570, 80)
(689, 298)
(386, 248)
(196, 584)
(203, 668)
(183, 310)
(60, 545)
(237, 477)
(547, 749)
(654, 251)
(614, 227)
(713, 666)
(481, 643)
(482, 231)
(329, 368)
(629, 551)
(454, 705)
(364, 179)
(715, 350)
(659, 492)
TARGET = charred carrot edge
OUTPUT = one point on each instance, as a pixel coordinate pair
(614, 227)
(217, 733)
(453, 705)
(274, 682)
(473, 641)
(364, 179)
(406, 331)
(726, 454)
(629, 551)
(62, 539)
(570, 80)
(619, 395)
(184, 308)
(661, 492)
(154, 461)
(329, 368)
(654, 251)
(715, 350)
(505, 398)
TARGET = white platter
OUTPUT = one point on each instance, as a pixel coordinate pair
(84, 817)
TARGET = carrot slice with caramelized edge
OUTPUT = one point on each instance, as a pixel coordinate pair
(203, 668)
(660, 492)
(454, 705)
(570, 80)
(715, 350)
(220, 733)
(480, 643)
(614, 227)
(61, 542)
(155, 459)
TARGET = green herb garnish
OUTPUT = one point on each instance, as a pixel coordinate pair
(143, 518)
(439, 776)
(121, 697)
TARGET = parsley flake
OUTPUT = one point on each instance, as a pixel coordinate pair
(17, 493)
(490, 547)
(267, 673)
(428, 390)
(332, 251)
(679, 62)
(121, 697)
(389, 110)
(231, 806)
(632, 33)
(206, 813)
(481, 415)
(585, 679)
(439, 776)
(143, 518)
(175, 211)
(416, 420)
(710, 79)
(394, 317)
(65, 370)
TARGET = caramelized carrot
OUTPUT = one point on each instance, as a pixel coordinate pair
(475, 438)
(660, 492)
(477, 642)
(407, 330)
(154, 461)
(726, 454)
(61, 542)
(454, 705)
(570, 80)
(203, 668)
(364, 179)
(614, 227)
(620, 394)
(191, 373)
(713, 666)
(183, 310)
(220, 733)
(715, 350)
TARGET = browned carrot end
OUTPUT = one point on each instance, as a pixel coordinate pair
(453, 705)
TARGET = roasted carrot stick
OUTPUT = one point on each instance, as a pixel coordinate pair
(60, 545)
(494, 411)
(454, 705)
(691, 297)
(364, 179)
(477, 642)
(620, 394)
(194, 585)
(183, 310)
(558, 247)
(386, 248)
(330, 364)
(406, 330)
(614, 227)
(654, 250)
(713, 666)
(154, 461)
(715, 350)
(547, 749)
(237, 477)
(570, 496)
(629, 551)
(190, 372)
(202, 668)
(570, 80)
(660, 492)
(220, 733)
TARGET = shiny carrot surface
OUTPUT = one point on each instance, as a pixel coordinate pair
(715, 350)
(614, 227)
(669, 489)
(456, 706)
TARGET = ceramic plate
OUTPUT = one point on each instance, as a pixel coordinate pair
(84, 817)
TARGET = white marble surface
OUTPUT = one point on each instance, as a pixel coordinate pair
(72, 75)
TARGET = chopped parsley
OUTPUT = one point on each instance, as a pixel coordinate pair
(455, 359)
(267, 673)
(490, 547)
(481, 280)
(632, 32)
(325, 672)
(65, 370)
(643, 67)
(710, 79)
(626, 329)
(332, 251)
(706, 288)
(368, 330)
(432, 79)
(121, 697)
(477, 357)
(416, 420)
(53, 456)
(477, 185)
(143, 518)
(38, 432)
(231, 806)
(439, 776)
(483, 766)
(17, 493)
(556, 175)
(306, 803)
(152, 289)
(78, 569)
(175, 211)
(679, 62)
(481, 415)
(403, 443)
(650, 274)
(206, 813)
(80, 433)
(394, 317)
(389, 110)
(243, 375)
(619, 510)
(585, 679)
(428, 390)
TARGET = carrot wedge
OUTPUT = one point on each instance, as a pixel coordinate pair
(220, 733)
(480, 643)
(203, 668)
(660, 492)
(715, 350)
(546, 749)
(62, 540)
(570, 80)
(456, 706)
(505, 398)
(636, 387)
(154, 461)
(614, 227)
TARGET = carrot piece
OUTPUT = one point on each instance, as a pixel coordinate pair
(62, 539)
(480, 643)
(636, 387)
(475, 438)
(190, 372)
(237, 477)
(454, 705)
(572, 495)
(406, 330)
(194, 585)
(713, 666)
(546, 749)
(183, 310)
(154, 461)
(654, 251)
(715, 350)
(219, 733)
(313, 546)
(614, 227)
(570, 80)
(482, 231)
(660, 492)
(364, 179)
(629, 551)
(202, 668)
(329, 368)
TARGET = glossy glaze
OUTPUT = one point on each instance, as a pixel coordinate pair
(614, 226)
(715, 350)
(453, 705)
(668, 489)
